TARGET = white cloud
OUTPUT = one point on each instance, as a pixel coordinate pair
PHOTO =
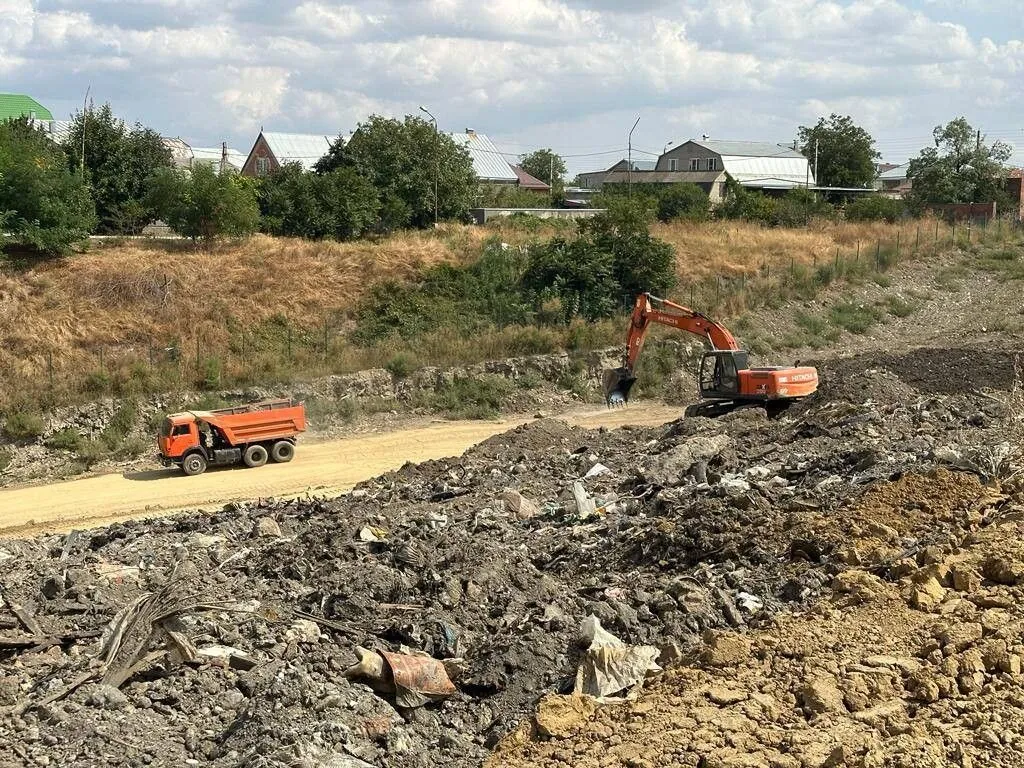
(532, 71)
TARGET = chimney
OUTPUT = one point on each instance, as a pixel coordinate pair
(470, 132)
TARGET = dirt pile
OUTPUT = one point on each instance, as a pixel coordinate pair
(224, 639)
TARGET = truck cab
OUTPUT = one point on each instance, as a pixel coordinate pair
(179, 433)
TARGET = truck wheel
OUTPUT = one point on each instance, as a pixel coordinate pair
(282, 451)
(194, 464)
(255, 456)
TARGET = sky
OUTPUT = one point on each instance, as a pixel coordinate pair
(572, 75)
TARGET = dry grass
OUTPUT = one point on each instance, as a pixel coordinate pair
(734, 248)
(263, 309)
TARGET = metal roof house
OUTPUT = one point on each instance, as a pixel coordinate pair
(15, 105)
(597, 179)
(529, 182)
(488, 162)
(185, 155)
(272, 149)
(755, 164)
(893, 181)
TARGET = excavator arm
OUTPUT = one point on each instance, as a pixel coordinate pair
(650, 309)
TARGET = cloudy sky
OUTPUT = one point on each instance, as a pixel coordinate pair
(571, 74)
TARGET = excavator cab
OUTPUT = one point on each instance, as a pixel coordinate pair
(719, 373)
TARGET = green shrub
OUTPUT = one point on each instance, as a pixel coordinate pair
(855, 318)
(23, 425)
(479, 397)
(6, 457)
(65, 440)
(900, 307)
(875, 208)
(401, 364)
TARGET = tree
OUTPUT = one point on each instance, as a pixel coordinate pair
(545, 165)
(682, 201)
(960, 168)
(204, 205)
(118, 164)
(613, 259)
(43, 206)
(401, 159)
(340, 204)
(846, 152)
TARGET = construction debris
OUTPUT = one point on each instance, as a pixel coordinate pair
(730, 553)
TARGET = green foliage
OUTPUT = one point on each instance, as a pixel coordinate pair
(682, 201)
(6, 457)
(339, 204)
(401, 364)
(960, 168)
(613, 259)
(744, 204)
(580, 275)
(897, 306)
(798, 208)
(545, 165)
(404, 160)
(205, 205)
(65, 440)
(23, 425)
(507, 196)
(119, 162)
(479, 397)
(875, 208)
(483, 294)
(43, 206)
(846, 152)
(855, 318)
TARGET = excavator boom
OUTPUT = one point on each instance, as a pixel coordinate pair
(724, 374)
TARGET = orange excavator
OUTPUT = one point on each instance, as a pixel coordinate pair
(726, 380)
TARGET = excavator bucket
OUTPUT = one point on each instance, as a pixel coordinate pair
(616, 384)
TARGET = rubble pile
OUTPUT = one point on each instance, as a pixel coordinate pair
(421, 617)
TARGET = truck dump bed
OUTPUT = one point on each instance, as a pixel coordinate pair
(257, 422)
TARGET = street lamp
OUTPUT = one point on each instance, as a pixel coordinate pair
(629, 159)
(437, 158)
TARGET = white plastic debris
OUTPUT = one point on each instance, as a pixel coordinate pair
(609, 666)
(597, 469)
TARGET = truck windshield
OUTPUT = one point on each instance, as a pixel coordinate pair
(165, 428)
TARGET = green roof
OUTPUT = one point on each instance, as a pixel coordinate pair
(19, 105)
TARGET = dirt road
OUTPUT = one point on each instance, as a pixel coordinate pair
(319, 469)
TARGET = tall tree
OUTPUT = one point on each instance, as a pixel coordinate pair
(846, 152)
(340, 204)
(402, 159)
(119, 162)
(545, 165)
(204, 205)
(960, 168)
(43, 206)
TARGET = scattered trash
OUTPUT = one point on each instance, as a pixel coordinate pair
(597, 469)
(414, 680)
(609, 666)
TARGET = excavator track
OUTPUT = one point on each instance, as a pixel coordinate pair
(713, 409)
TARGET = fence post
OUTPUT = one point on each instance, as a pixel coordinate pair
(691, 294)
(326, 339)
(878, 253)
(917, 242)
(102, 367)
(199, 370)
(952, 233)
(856, 259)
(151, 364)
(936, 230)
(837, 261)
(970, 224)
(49, 368)
(288, 335)
(897, 256)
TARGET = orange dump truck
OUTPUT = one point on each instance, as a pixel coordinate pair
(248, 434)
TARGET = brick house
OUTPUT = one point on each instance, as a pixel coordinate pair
(272, 149)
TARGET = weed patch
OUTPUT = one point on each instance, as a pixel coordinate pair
(23, 425)
(467, 398)
(897, 306)
(853, 317)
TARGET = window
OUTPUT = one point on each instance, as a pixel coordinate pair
(712, 163)
(180, 429)
(694, 164)
(673, 164)
(262, 166)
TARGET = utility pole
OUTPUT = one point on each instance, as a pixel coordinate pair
(629, 158)
(978, 144)
(817, 181)
(223, 156)
(85, 118)
(437, 159)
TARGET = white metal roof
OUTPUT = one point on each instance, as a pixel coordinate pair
(488, 162)
(212, 155)
(302, 148)
(894, 174)
(748, 170)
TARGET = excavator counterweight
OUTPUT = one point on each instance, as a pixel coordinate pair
(725, 379)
